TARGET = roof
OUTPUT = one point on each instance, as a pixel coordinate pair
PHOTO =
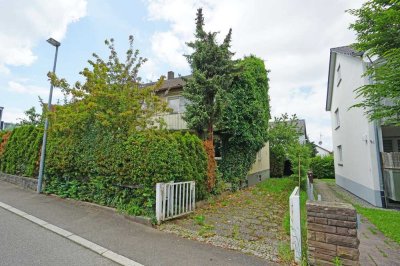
(170, 83)
(317, 146)
(345, 50)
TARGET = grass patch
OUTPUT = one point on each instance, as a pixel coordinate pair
(285, 253)
(387, 221)
(199, 219)
(281, 188)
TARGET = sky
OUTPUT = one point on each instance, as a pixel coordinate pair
(292, 37)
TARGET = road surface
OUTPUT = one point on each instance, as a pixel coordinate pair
(25, 243)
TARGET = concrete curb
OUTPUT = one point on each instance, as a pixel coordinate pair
(72, 237)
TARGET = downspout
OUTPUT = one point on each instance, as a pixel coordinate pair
(378, 152)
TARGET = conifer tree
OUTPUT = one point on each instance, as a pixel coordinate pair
(212, 70)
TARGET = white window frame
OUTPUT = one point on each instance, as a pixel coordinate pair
(339, 75)
(337, 118)
(179, 98)
(339, 150)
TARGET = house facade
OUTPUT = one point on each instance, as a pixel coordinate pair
(321, 151)
(357, 142)
(171, 91)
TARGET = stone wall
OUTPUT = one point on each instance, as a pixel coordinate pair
(332, 233)
(25, 182)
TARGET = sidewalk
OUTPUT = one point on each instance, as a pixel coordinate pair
(375, 248)
(104, 227)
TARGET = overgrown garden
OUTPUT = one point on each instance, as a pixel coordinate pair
(106, 144)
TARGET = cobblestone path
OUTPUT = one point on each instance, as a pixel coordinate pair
(249, 220)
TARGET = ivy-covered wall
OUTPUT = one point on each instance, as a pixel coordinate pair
(244, 120)
(20, 151)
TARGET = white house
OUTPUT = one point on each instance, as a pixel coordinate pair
(321, 151)
(357, 143)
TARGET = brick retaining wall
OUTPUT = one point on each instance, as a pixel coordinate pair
(332, 233)
(25, 182)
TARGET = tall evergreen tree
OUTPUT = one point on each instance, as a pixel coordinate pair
(212, 70)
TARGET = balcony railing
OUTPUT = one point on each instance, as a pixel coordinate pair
(174, 121)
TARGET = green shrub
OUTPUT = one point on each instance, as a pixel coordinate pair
(323, 167)
(120, 173)
(22, 152)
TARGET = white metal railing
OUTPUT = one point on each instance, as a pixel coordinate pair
(295, 229)
(174, 199)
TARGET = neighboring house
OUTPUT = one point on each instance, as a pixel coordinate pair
(171, 91)
(301, 129)
(357, 142)
(322, 151)
(5, 125)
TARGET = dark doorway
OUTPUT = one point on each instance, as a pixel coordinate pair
(287, 170)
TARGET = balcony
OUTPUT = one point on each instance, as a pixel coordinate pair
(174, 121)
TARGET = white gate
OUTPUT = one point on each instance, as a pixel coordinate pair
(174, 199)
(295, 230)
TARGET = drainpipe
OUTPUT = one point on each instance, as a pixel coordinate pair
(378, 158)
(378, 152)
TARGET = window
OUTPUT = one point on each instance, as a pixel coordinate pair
(177, 104)
(339, 75)
(340, 155)
(337, 118)
(391, 145)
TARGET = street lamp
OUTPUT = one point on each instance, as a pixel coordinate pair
(46, 124)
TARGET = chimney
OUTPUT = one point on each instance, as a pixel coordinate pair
(170, 74)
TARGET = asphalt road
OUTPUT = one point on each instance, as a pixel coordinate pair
(25, 243)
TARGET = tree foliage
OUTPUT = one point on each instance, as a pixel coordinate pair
(212, 68)
(377, 27)
(285, 145)
(32, 117)
(110, 98)
(282, 134)
(243, 123)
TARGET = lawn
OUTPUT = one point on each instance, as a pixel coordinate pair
(387, 221)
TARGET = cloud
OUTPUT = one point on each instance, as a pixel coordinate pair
(24, 23)
(20, 88)
(293, 38)
(12, 115)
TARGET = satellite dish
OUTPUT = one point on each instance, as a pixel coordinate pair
(320, 142)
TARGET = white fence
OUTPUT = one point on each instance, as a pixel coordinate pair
(295, 230)
(174, 199)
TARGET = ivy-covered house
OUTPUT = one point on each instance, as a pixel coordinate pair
(171, 91)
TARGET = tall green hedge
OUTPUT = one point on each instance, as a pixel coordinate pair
(323, 167)
(120, 172)
(22, 151)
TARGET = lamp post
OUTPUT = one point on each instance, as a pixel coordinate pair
(46, 124)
